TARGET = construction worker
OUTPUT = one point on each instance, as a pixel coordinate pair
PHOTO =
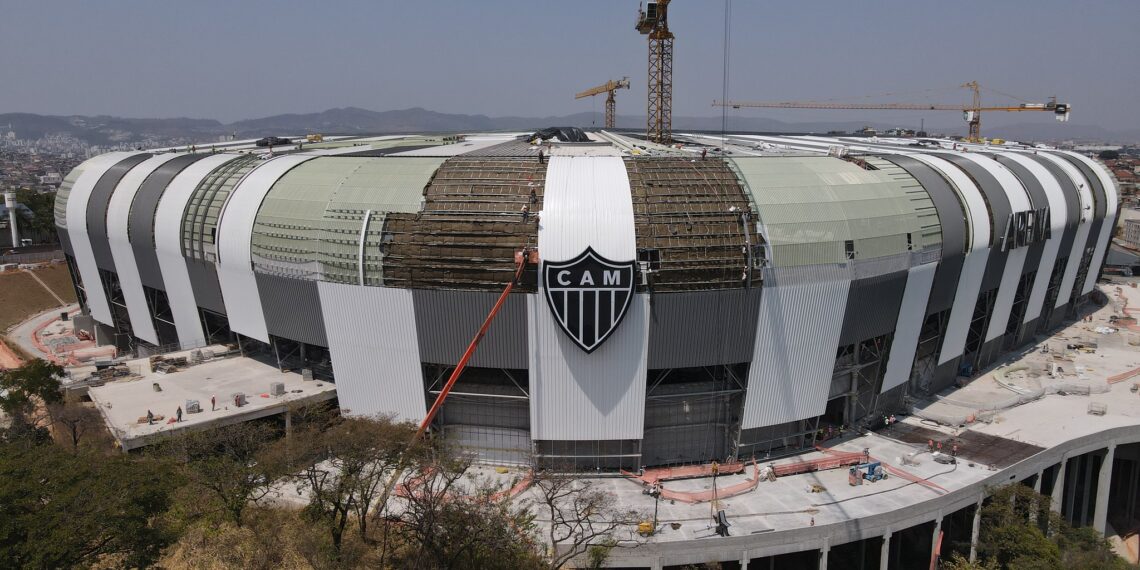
(213, 402)
(930, 445)
(149, 417)
(178, 413)
(525, 212)
(541, 157)
(954, 450)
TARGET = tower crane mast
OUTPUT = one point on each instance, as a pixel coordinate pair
(653, 21)
(609, 88)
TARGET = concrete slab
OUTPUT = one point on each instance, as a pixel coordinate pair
(122, 403)
(788, 507)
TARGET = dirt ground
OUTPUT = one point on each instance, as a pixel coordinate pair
(8, 359)
(57, 278)
(21, 296)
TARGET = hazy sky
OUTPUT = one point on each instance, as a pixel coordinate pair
(232, 60)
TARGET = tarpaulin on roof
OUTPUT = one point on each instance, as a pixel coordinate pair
(564, 134)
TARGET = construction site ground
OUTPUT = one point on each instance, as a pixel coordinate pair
(24, 293)
(998, 439)
(123, 402)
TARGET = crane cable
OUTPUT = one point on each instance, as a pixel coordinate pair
(724, 70)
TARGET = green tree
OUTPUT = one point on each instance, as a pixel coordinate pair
(75, 422)
(347, 465)
(23, 390)
(41, 222)
(64, 510)
(1020, 532)
(580, 517)
(231, 464)
(451, 519)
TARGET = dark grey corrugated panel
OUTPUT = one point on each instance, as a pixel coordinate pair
(872, 307)
(292, 308)
(446, 320)
(141, 222)
(702, 328)
(1037, 199)
(1072, 194)
(1097, 189)
(97, 209)
(952, 217)
(1099, 210)
(204, 281)
(1000, 209)
(64, 240)
(1072, 202)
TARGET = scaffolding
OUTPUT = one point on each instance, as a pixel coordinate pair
(691, 220)
(477, 213)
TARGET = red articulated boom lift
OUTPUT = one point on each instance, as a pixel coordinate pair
(522, 259)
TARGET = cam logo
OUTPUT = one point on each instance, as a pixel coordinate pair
(589, 296)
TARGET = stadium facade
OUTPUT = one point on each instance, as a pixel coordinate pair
(684, 309)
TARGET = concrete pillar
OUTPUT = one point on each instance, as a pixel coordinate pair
(1037, 483)
(1059, 486)
(657, 565)
(885, 553)
(823, 549)
(934, 545)
(744, 561)
(1103, 486)
(1086, 496)
(976, 531)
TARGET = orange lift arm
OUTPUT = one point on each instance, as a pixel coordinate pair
(521, 259)
(520, 264)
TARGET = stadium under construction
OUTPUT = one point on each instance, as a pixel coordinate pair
(720, 298)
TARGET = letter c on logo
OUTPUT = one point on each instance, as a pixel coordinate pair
(561, 277)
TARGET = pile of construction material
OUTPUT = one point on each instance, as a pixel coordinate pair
(106, 374)
(164, 365)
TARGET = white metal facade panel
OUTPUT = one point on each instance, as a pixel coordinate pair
(1057, 212)
(978, 221)
(235, 231)
(575, 395)
(168, 245)
(582, 396)
(1015, 259)
(454, 149)
(126, 267)
(97, 300)
(587, 203)
(1106, 228)
(919, 281)
(797, 335)
(375, 356)
(1069, 278)
(973, 265)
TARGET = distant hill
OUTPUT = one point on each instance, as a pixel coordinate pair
(102, 130)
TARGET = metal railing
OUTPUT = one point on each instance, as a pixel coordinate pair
(38, 257)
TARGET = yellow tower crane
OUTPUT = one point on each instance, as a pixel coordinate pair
(609, 88)
(971, 113)
(653, 22)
